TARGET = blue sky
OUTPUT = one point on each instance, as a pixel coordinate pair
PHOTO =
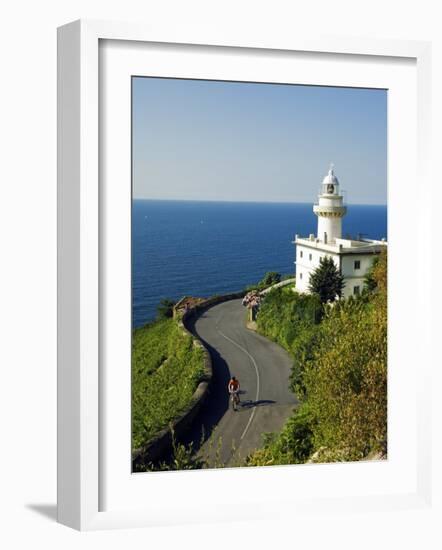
(209, 140)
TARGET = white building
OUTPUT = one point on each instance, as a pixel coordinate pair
(352, 257)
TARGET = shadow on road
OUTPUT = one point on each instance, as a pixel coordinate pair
(250, 404)
(217, 401)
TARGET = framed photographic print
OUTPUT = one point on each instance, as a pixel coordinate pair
(235, 221)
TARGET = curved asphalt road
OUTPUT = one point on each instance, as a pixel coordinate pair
(263, 369)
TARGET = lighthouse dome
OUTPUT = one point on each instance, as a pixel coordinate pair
(330, 177)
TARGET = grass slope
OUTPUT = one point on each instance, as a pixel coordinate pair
(166, 370)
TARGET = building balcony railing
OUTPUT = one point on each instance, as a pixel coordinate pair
(338, 211)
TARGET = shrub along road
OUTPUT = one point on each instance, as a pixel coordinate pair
(263, 369)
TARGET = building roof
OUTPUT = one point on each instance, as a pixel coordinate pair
(342, 246)
(330, 177)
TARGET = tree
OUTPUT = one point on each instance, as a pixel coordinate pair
(376, 277)
(271, 278)
(165, 308)
(326, 281)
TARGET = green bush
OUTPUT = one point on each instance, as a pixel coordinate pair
(271, 278)
(293, 445)
(346, 381)
(303, 349)
(165, 308)
(284, 314)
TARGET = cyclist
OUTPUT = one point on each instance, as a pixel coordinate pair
(233, 388)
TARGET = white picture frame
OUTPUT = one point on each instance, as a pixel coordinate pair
(80, 265)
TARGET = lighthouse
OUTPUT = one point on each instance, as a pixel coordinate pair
(353, 257)
(330, 209)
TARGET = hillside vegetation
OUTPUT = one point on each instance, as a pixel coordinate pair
(166, 370)
(339, 374)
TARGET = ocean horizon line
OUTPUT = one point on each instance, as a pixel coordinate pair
(216, 201)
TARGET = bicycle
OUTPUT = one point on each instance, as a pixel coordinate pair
(234, 398)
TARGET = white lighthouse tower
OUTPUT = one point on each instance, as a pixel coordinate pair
(330, 209)
(353, 257)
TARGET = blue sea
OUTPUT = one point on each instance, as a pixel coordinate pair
(203, 248)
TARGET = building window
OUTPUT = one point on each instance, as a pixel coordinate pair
(357, 264)
(310, 257)
(356, 290)
(300, 275)
(300, 254)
